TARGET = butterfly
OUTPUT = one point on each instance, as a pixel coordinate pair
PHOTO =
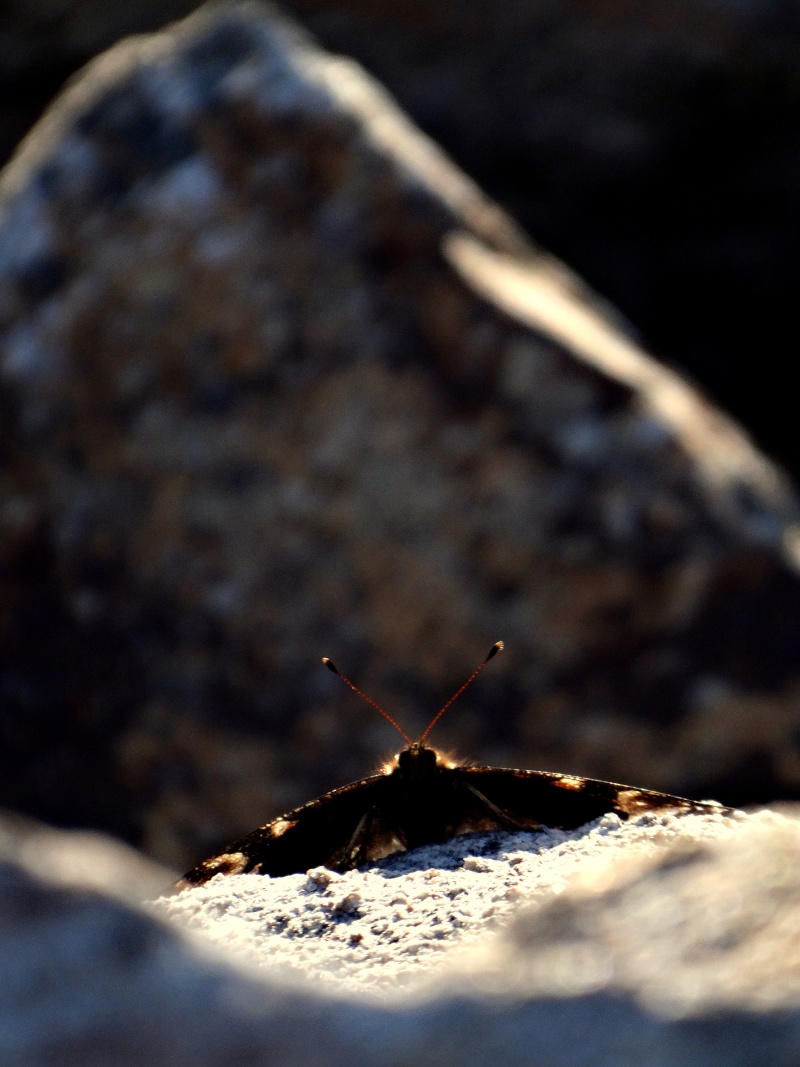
(422, 798)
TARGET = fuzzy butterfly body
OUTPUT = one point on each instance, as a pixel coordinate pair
(422, 798)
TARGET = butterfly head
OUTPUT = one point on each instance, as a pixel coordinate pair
(416, 761)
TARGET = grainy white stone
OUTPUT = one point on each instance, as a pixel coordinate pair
(616, 921)
(392, 925)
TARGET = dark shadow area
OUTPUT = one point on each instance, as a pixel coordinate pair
(450, 855)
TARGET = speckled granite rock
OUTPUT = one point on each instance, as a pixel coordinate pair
(654, 146)
(278, 380)
(685, 957)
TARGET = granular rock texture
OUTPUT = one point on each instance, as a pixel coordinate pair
(671, 943)
(278, 380)
(395, 925)
(708, 927)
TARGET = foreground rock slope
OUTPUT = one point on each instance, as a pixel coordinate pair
(668, 942)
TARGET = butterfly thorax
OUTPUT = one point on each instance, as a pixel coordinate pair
(422, 801)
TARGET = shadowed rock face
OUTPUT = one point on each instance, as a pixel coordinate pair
(278, 380)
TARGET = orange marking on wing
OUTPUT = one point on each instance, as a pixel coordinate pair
(568, 781)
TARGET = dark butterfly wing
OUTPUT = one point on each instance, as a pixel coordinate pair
(532, 799)
(367, 820)
(341, 829)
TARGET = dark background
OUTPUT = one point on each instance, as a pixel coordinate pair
(654, 146)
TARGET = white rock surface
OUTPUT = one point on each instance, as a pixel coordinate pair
(661, 942)
(392, 925)
(709, 925)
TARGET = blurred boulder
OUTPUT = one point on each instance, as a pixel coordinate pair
(81, 859)
(90, 979)
(654, 146)
(278, 380)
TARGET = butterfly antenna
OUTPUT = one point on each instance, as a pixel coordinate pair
(332, 667)
(498, 646)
